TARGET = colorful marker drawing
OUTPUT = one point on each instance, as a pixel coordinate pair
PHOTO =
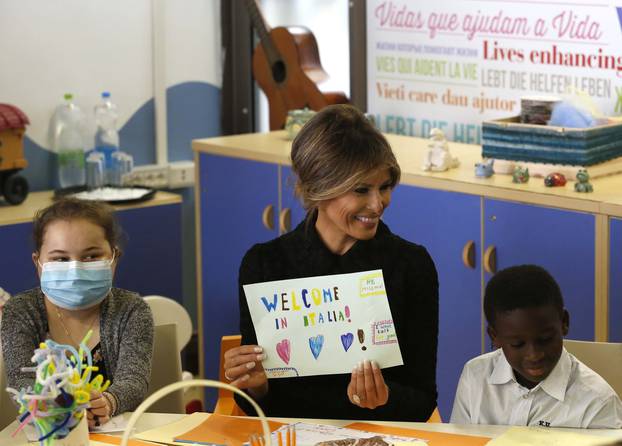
(328, 314)
(283, 349)
(316, 343)
(346, 340)
(372, 285)
(383, 333)
(282, 372)
(361, 335)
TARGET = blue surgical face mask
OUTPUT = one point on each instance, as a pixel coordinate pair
(76, 285)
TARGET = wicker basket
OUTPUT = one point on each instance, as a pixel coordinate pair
(509, 139)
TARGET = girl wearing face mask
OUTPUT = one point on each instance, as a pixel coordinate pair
(76, 253)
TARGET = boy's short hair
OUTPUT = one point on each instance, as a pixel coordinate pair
(523, 286)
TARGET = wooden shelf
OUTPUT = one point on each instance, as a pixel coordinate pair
(273, 147)
(24, 213)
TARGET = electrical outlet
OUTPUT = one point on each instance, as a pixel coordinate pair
(181, 174)
(152, 175)
(169, 176)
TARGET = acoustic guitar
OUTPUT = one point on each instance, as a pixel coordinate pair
(286, 65)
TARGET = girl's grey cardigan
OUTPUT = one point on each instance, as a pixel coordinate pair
(126, 333)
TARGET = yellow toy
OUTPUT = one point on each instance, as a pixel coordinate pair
(13, 123)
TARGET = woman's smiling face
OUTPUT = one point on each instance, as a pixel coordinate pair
(355, 215)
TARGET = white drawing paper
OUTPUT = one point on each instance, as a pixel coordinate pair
(323, 325)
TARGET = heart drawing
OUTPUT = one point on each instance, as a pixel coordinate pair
(283, 349)
(346, 340)
(316, 343)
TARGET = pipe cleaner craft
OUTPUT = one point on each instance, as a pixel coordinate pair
(62, 390)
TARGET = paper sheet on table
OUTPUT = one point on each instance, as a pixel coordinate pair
(533, 436)
(309, 434)
(433, 438)
(116, 424)
(224, 430)
(323, 325)
(166, 434)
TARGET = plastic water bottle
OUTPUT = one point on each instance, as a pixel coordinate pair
(69, 143)
(106, 135)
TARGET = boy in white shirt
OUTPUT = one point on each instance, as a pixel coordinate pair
(531, 380)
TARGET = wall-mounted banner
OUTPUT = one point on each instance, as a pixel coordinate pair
(323, 325)
(452, 64)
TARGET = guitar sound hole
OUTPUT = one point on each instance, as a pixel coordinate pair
(278, 71)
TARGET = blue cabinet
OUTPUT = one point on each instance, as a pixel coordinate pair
(238, 208)
(16, 247)
(560, 241)
(448, 225)
(615, 280)
(152, 254)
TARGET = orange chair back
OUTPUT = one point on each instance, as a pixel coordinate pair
(226, 404)
(435, 417)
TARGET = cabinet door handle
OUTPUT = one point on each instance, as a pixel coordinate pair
(490, 259)
(267, 217)
(285, 220)
(468, 254)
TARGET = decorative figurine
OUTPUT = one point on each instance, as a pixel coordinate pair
(555, 179)
(520, 175)
(438, 158)
(295, 120)
(13, 123)
(583, 182)
(484, 169)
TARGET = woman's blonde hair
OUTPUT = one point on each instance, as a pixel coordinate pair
(334, 151)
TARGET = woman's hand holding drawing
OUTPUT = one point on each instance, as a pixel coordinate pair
(367, 388)
(243, 368)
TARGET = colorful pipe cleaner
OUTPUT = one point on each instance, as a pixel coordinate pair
(62, 390)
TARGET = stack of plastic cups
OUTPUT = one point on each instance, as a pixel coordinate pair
(122, 164)
(95, 170)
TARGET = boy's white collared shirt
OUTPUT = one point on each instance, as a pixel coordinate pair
(572, 395)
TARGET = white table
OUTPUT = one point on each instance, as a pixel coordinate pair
(152, 420)
(146, 422)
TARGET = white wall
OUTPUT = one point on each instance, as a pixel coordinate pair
(85, 47)
(193, 50)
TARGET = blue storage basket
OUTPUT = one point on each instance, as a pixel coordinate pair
(510, 140)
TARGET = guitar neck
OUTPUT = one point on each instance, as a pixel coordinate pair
(263, 30)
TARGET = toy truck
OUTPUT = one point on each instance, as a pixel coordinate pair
(13, 123)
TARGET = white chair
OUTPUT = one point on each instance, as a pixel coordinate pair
(168, 311)
(166, 369)
(605, 358)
